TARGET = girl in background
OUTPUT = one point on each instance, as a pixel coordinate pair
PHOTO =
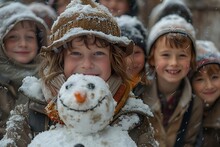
(206, 85)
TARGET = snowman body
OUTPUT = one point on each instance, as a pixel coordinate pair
(86, 106)
(65, 137)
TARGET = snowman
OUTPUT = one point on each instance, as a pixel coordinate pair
(86, 106)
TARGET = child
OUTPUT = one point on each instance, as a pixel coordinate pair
(132, 28)
(85, 39)
(121, 7)
(167, 7)
(206, 85)
(171, 54)
(22, 35)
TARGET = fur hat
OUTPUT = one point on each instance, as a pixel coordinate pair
(133, 28)
(168, 7)
(207, 53)
(86, 17)
(171, 24)
(15, 12)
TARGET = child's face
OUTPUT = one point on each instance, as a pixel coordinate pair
(136, 61)
(207, 85)
(171, 64)
(92, 61)
(116, 7)
(21, 42)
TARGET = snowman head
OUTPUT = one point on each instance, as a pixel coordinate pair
(85, 103)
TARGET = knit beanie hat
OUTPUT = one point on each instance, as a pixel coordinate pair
(207, 53)
(86, 17)
(168, 7)
(133, 28)
(12, 13)
(171, 24)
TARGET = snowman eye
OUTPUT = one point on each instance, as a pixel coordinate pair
(91, 86)
(68, 86)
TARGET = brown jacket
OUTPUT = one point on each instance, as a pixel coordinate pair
(211, 126)
(167, 136)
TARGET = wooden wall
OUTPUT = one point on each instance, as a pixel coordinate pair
(206, 17)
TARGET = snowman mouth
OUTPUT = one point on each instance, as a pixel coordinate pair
(84, 110)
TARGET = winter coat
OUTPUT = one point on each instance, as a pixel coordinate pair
(36, 117)
(211, 126)
(12, 72)
(167, 136)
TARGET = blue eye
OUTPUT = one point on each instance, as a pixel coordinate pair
(91, 86)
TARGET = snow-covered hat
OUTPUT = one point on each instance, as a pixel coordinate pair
(84, 17)
(134, 29)
(168, 7)
(171, 24)
(12, 13)
(207, 53)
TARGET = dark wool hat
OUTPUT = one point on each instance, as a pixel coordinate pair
(168, 7)
(133, 28)
(86, 17)
(207, 53)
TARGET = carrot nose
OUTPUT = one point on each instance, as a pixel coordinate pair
(80, 98)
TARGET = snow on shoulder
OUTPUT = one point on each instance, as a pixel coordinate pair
(31, 87)
(86, 106)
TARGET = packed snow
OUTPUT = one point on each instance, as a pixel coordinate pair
(86, 106)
